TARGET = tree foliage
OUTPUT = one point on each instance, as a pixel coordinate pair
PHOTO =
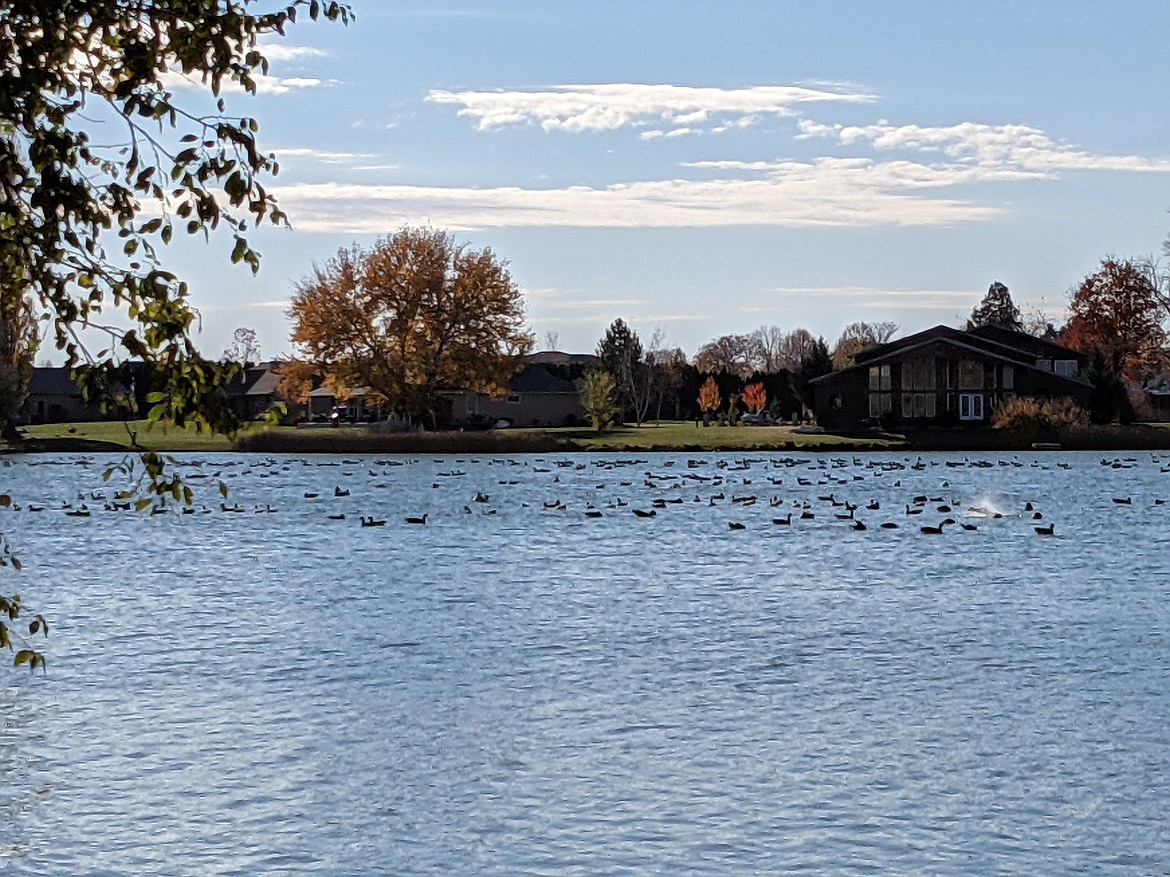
(413, 316)
(709, 396)
(997, 309)
(1117, 310)
(622, 355)
(860, 336)
(81, 216)
(755, 397)
(817, 363)
(68, 65)
(599, 397)
(740, 355)
(19, 339)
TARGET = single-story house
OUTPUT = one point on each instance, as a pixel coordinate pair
(254, 392)
(54, 397)
(535, 397)
(946, 376)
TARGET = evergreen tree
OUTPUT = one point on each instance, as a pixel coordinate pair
(997, 309)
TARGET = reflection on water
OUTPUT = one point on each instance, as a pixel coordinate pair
(540, 681)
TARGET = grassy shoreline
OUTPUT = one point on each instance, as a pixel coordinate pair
(667, 436)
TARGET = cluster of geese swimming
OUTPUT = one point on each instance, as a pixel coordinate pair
(818, 490)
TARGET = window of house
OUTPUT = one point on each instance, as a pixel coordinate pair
(918, 374)
(1009, 377)
(1044, 364)
(970, 406)
(514, 398)
(970, 375)
(1066, 367)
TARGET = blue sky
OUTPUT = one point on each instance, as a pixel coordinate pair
(705, 168)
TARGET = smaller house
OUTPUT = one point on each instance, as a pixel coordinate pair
(535, 397)
(946, 376)
(54, 397)
(254, 393)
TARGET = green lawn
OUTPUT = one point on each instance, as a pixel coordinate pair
(114, 436)
(685, 436)
(667, 436)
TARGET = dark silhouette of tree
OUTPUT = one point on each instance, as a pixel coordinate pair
(19, 340)
(817, 363)
(622, 355)
(997, 309)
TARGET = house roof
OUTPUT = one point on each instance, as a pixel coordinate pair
(538, 379)
(897, 352)
(52, 381)
(995, 340)
(558, 357)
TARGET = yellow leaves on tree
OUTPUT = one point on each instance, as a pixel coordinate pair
(709, 397)
(415, 315)
(755, 397)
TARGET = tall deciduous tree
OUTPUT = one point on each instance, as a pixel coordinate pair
(156, 168)
(623, 356)
(19, 338)
(245, 347)
(415, 315)
(1117, 310)
(859, 336)
(740, 355)
(997, 309)
(80, 216)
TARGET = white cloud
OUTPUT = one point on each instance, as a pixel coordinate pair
(885, 299)
(827, 192)
(591, 108)
(285, 52)
(264, 84)
(1024, 150)
(323, 156)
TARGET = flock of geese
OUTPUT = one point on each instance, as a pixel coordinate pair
(796, 491)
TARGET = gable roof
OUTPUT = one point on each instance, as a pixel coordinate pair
(538, 379)
(994, 340)
(959, 341)
(558, 357)
(52, 381)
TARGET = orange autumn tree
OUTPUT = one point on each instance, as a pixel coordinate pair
(416, 315)
(755, 397)
(709, 398)
(1118, 312)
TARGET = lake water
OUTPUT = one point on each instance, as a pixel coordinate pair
(519, 688)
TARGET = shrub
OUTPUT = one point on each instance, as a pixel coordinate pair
(1030, 416)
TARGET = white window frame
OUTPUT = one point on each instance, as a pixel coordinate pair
(970, 406)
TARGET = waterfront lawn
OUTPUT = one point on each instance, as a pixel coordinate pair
(675, 435)
(116, 436)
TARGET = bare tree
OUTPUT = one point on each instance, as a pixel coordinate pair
(796, 347)
(245, 347)
(856, 337)
(740, 355)
(771, 344)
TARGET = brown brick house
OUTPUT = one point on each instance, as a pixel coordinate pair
(945, 376)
